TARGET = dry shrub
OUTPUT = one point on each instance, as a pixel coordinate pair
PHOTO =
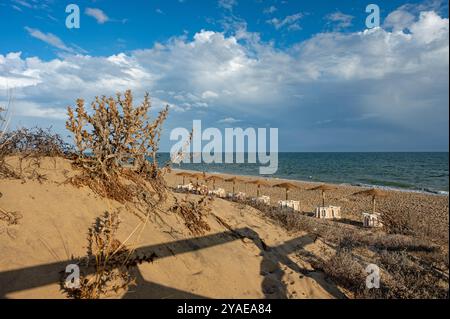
(31, 145)
(349, 271)
(117, 146)
(111, 261)
(344, 235)
(411, 267)
(345, 270)
(411, 278)
(413, 215)
(400, 276)
(398, 223)
(193, 213)
(34, 142)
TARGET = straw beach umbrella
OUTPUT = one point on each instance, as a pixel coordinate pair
(287, 186)
(258, 183)
(184, 175)
(214, 178)
(197, 176)
(323, 188)
(233, 179)
(375, 193)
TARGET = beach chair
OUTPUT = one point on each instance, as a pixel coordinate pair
(328, 212)
(263, 200)
(335, 212)
(283, 204)
(295, 205)
(220, 192)
(289, 204)
(187, 188)
(202, 189)
(372, 220)
(240, 196)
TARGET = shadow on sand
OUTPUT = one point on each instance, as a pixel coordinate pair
(272, 258)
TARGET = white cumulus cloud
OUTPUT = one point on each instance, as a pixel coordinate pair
(402, 77)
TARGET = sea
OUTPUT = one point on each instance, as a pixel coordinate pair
(418, 171)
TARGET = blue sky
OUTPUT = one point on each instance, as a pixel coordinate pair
(309, 68)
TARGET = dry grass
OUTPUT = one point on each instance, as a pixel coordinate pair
(10, 218)
(411, 267)
(193, 213)
(402, 276)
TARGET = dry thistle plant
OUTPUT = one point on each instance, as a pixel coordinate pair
(193, 213)
(109, 259)
(117, 142)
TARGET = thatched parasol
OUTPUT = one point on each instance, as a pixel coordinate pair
(184, 174)
(197, 176)
(233, 179)
(214, 178)
(375, 193)
(323, 188)
(287, 186)
(258, 183)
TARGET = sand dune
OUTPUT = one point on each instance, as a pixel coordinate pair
(244, 255)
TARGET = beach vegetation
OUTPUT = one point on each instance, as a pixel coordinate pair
(116, 148)
(107, 268)
(411, 267)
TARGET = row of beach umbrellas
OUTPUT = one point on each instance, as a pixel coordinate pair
(287, 186)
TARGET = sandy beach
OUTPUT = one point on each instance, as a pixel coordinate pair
(429, 211)
(225, 149)
(243, 254)
(54, 222)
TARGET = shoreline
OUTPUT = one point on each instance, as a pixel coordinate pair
(417, 207)
(356, 185)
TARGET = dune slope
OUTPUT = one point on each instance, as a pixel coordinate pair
(243, 255)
